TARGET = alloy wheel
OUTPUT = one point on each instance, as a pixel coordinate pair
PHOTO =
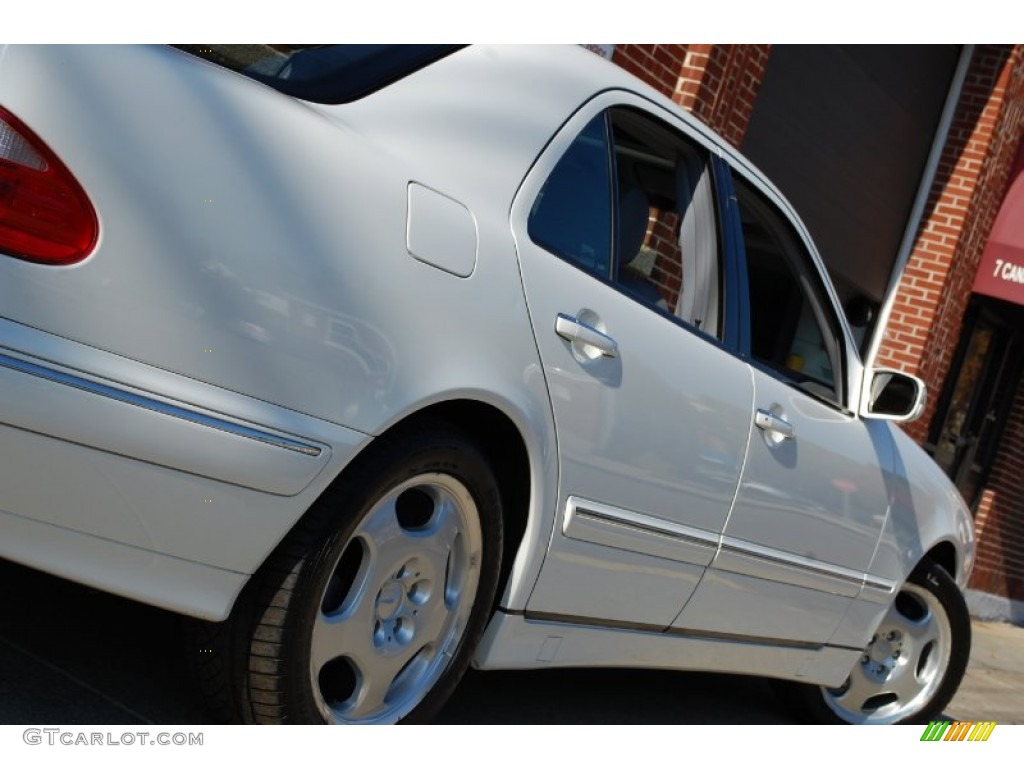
(903, 665)
(396, 604)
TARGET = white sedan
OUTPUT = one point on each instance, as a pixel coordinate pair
(382, 361)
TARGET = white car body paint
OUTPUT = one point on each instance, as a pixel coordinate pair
(294, 275)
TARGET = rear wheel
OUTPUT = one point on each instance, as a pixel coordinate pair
(911, 668)
(370, 610)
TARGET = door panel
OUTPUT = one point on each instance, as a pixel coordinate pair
(808, 515)
(659, 431)
(742, 606)
(812, 501)
(819, 494)
(652, 414)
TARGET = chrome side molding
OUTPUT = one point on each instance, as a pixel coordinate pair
(611, 526)
(158, 406)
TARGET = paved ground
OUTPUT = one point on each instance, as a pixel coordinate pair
(994, 687)
(71, 655)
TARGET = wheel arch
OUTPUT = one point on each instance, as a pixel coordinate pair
(945, 555)
(504, 447)
(248, 645)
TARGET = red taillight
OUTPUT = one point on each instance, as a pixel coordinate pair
(45, 215)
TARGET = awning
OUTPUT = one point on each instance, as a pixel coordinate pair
(1001, 272)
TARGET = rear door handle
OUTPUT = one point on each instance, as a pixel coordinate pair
(573, 329)
(769, 422)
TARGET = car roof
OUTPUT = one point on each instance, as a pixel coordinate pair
(503, 103)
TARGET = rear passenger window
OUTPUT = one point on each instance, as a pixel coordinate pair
(667, 233)
(631, 202)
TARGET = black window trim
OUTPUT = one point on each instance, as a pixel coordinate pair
(735, 296)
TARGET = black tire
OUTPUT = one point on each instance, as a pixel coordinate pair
(915, 662)
(385, 588)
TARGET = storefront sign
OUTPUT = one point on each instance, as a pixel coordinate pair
(1001, 272)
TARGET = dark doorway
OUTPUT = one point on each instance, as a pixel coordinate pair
(976, 400)
(845, 131)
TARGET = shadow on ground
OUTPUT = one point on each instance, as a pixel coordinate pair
(73, 655)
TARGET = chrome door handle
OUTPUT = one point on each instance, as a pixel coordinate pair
(572, 329)
(769, 422)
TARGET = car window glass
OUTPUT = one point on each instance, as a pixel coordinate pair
(329, 74)
(572, 215)
(666, 235)
(790, 326)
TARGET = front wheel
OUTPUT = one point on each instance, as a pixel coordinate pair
(911, 668)
(370, 610)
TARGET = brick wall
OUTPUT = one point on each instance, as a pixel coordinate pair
(657, 65)
(972, 178)
(718, 83)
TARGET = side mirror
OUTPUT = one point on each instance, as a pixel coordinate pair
(893, 396)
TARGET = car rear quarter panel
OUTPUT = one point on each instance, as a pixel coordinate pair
(256, 245)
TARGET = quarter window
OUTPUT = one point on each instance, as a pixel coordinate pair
(572, 216)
